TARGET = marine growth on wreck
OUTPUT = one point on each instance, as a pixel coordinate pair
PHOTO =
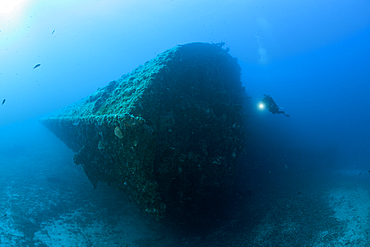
(168, 134)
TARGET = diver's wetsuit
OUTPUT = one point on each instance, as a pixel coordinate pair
(272, 106)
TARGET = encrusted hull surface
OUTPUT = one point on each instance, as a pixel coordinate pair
(168, 133)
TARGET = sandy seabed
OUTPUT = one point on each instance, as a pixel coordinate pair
(46, 200)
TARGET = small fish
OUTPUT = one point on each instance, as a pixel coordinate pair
(53, 32)
(36, 66)
(3, 101)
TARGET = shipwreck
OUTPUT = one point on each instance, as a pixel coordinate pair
(168, 134)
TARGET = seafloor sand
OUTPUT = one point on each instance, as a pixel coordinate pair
(46, 200)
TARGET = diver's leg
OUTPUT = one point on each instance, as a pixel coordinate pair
(283, 112)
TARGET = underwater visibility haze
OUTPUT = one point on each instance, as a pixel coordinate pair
(303, 178)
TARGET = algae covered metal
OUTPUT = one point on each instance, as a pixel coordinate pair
(168, 134)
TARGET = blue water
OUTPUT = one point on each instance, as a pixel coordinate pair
(304, 180)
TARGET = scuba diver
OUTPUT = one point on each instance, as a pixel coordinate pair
(271, 105)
